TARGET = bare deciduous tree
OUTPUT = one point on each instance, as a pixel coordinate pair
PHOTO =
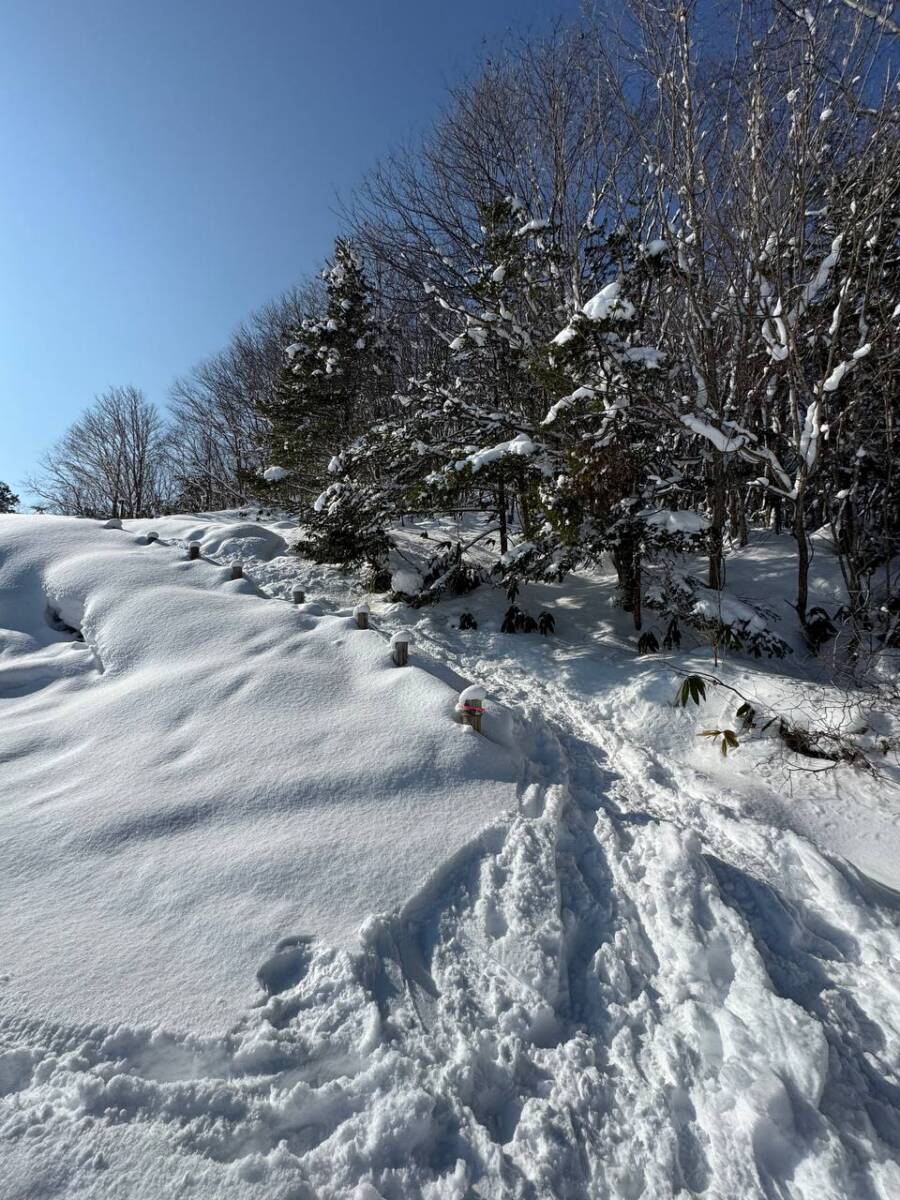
(218, 431)
(112, 462)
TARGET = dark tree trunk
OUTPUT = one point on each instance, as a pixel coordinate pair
(802, 560)
(502, 517)
(627, 561)
(718, 504)
(738, 519)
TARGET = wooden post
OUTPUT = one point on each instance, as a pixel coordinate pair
(193, 550)
(472, 714)
(471, 706)
(298, 596)
(237, 569)
(400, 648)
(361, 612)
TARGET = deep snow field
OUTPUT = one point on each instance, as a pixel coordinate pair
(274, 924)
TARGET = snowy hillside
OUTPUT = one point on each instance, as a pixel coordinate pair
(206, 774)
(597, 957)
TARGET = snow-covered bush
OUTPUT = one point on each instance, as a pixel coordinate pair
(725, 620)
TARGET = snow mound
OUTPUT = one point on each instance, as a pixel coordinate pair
(218, 538)
(406, 581)
(192, 773)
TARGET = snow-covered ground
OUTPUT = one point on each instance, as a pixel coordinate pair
(608, 961)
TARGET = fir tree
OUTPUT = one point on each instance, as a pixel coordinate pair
(492, 407)
(336, 378)
(458, 439)
(8, 499)
(608, 440)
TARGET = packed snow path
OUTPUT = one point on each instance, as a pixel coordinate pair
(637, 988)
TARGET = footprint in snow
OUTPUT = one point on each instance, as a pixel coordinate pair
(287, 966)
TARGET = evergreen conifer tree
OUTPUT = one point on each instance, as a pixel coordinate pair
(8, 499)
(336, 378)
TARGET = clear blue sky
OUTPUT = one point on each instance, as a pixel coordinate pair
(169, 165)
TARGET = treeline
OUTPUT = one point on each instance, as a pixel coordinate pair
(636, 290)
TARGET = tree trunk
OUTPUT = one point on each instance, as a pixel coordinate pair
(627, 561)
(502, 517)
(802, 559)
(719, 507)
(738, 519)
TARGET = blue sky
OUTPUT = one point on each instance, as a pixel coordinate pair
(169, 166)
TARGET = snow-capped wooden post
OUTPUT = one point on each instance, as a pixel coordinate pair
(152, 536)
(237, 569)
(470, 706)
(193, 550)
(361, 612)
(298, 596)
(400, 647)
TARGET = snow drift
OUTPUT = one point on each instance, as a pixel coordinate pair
(206, 773)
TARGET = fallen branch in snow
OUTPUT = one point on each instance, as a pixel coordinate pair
(830, 744)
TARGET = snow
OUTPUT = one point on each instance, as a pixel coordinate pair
(809, 435)
(407, 582)
(677, 522)
(811, 291)
(207, 772)
(511, 557)
(580, 393)
(609, 304)
(533, 226)
(655, 972)
(522, 444)
(720, 606)
(833, 382)
(722, 441)
(564, 335)
(275, 474)
(519, 446)
(648, 356)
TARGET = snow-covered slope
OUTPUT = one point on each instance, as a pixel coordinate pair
(206, 774)
(657, 975)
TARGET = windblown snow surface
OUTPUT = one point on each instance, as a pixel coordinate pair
(594, 958)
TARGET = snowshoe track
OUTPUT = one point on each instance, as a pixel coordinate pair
(635, 994)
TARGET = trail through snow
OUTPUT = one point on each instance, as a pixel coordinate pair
(639, 986)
